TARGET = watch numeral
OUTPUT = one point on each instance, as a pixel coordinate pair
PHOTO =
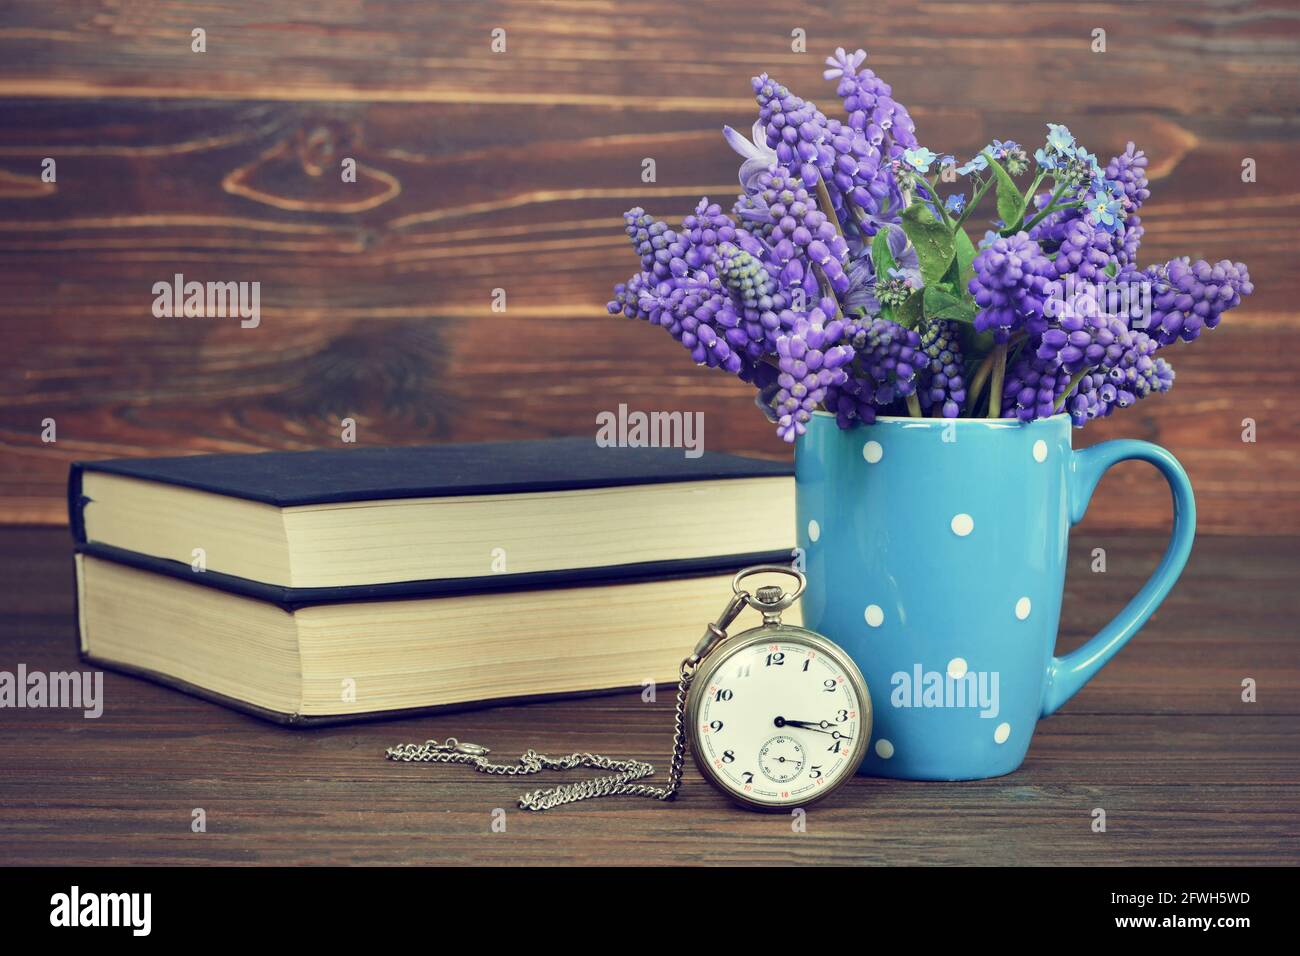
(777, 658)
(815, 772)
(749, 776)
(726, 694)
(805, 666)
(742, 670)
(829, 686)
(835, 747)
(716, 725)
(842, 716)
(728, 756)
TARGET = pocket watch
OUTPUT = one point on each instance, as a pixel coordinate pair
(776, 717)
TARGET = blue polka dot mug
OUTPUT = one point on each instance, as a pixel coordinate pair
(935, 552)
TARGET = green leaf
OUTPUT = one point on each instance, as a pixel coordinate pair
(942, 305)
(881, 257)
(933, 242)
(910, 314)
(959, 271)
(1011, 205)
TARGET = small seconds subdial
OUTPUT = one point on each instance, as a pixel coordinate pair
(781, 717)
(781, 759)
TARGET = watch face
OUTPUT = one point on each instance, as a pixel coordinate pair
(780, 717)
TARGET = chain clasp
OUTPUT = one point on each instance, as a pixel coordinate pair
(452, 745)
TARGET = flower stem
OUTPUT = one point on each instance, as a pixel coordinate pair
(977, 382)
(999, 355)
(1074, 383)
(974, 201)
(828, 208)
(914, 406)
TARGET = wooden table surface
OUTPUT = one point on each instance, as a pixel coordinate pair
(1185, 770)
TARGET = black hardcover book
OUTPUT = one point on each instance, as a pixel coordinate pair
(333, 585)
(367, 523)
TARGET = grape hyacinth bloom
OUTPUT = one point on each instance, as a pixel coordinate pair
(1129, 169)
(811, 357)
(784, 292)
(1012, 280)
(1188, 296)
(888, 353)
(703, 230)
(800, 234)
(1083, 337)
(1083, 250)
(1031, 387)
(810, 146)
(749, 321)
(655, 242)
(944, 389)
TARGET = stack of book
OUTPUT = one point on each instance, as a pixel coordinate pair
(322, 586)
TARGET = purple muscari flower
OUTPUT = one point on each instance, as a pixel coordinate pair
(1187, 296)
(758, 155)
(703, 230)
(1127, 240)
(870, 104)
(799, 233)
(1012, 279)
(1129, 169)
(627, 297)
(811, 357)
(1083, 336)
(943, 388)
(655, 242)
(751, 321)
(889, 355)
(1032, 386)
(1083, 250)
(686, 308)
(883, 123)
(1137, 373)
(1051, 231)
(810, 146)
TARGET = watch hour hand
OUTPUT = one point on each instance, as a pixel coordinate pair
(819, 726)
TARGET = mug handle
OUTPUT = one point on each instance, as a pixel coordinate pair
(1066, 675)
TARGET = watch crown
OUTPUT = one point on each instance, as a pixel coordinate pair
(768, 595)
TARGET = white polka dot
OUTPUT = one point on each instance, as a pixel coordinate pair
(1002, 733)
(962, 525)
(884, 749)
(875, 616)
(1040, 450)
(872, 451)
(957, 668)
(1023, 607)
(814, 530)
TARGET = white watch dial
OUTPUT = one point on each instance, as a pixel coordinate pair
(778, 722)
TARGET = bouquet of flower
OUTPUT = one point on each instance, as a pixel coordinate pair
(843, 280)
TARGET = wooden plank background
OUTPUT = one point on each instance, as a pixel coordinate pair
(482, 170)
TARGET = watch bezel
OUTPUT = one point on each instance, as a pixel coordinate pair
(763, 634)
